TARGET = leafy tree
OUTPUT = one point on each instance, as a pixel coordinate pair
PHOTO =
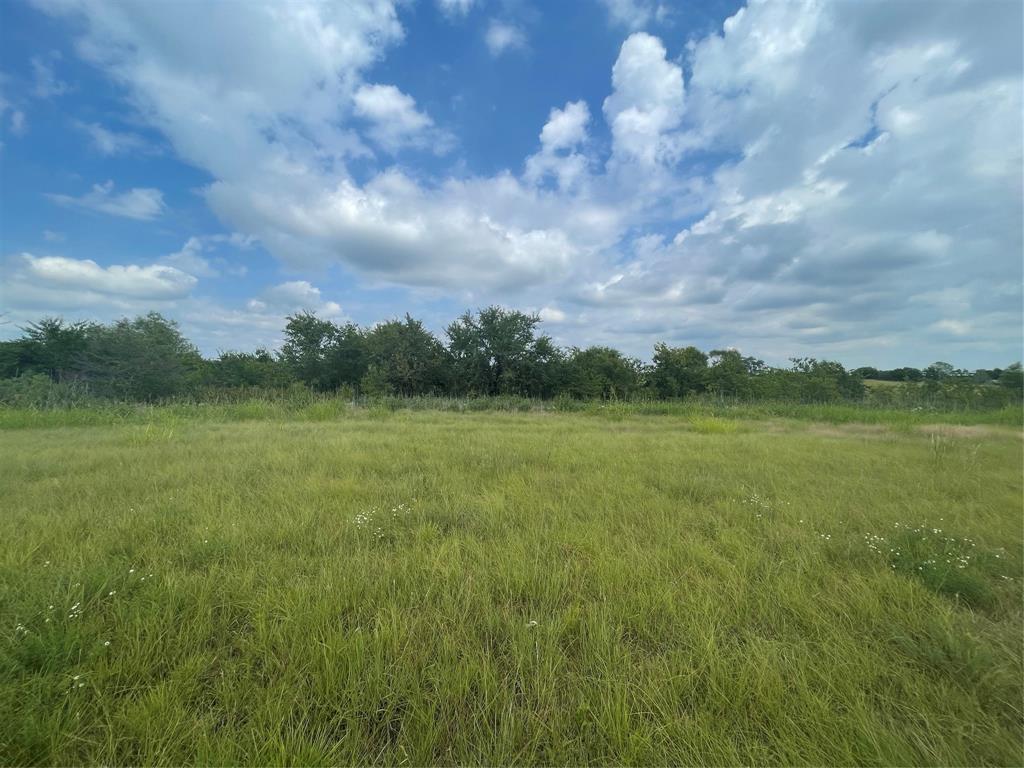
(601, 372)
(405, 358)
(497, 351)
(244, 369)
(728, 373)
(938, 371)
(50, 346)
(678, 371)
(1012, 378)
(826, 380)
(323, 355)
(146, 358)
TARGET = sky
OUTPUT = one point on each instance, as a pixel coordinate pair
(840, 180)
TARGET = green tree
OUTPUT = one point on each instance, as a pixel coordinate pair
(50, 346)
(1012, 378)
(601, 372)
(825, 380)
(939, 371)
(678, 371)
(146, 358)
(498, 351)
(323, 355)
(727, 374)
(405, 358)
(245, 369)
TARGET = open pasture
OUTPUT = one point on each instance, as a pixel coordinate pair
(426, 587)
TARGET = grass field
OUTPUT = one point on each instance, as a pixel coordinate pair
(530, 588)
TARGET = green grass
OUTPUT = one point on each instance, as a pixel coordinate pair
(551, 588)
(311, 406)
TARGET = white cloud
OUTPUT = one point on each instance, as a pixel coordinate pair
(47, 84)
(190, 259)
(565, 130)
(455, 8)
(486, 233)
(566, 127)
(502, 36)
(294, 296)
(632, 14)
(866, 166)
(17, 123)
(142, 203)
(552, 315)
(19, 127)
(108, 142)
(646, 100)
(396, 121)
(131, 281)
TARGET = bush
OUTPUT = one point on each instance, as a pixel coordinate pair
(39, 391)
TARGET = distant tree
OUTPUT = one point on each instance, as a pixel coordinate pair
(728, 373)
(145, 358)
(405, 358)
(12, 359)
(601, 372)
(323, 355)
(678, 371)
(1012, 377)
(939, 371)
(50, 346)
(826, 380)
(867, 372)
(498, 351)
(244, 369)
(905, 374)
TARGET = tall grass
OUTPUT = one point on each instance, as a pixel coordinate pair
(304, 405)
(327, 585)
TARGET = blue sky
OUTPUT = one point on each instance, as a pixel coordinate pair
(835, 179)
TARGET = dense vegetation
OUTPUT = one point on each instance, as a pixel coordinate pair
(424, 588)
(488, 353)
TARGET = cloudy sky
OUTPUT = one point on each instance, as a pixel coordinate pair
(837, 179)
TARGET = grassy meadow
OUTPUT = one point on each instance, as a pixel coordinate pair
(413, 587)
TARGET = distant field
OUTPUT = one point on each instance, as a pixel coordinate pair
(412, 587)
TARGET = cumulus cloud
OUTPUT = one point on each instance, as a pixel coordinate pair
(502, 36)
(193, 256)
(823, 173)
(294, 296)
(646, 102)
(566, 127)
(131, 280)
(142, 203)
(396, 123)
(190, 259)
(565, 130)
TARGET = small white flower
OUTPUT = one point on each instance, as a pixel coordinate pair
(106, 643)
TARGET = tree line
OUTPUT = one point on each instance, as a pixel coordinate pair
(492, 351)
